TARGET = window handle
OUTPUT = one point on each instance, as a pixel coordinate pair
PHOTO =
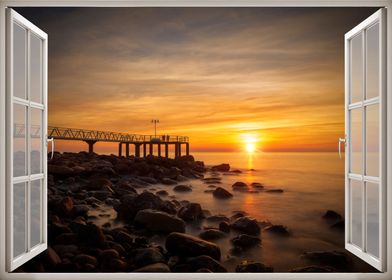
(52, 141)
(341, 140)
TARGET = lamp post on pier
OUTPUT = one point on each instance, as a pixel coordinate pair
(155, 127)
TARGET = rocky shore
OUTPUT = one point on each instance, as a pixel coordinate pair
(85, 188)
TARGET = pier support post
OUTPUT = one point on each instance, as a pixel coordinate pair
(151, 149)
(120, 149)
(137, 150)
(179, 149)
(144, 149)
(91, 145)
(187, 148)
(166, 150)
(127, 149)
(159, 150)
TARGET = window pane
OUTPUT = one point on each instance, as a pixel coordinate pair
(373, 216)
(19, 61)
(35, 69)
(372, 61)
(19, 140)
(36, 140)
(356, 213)
(356, 141)
(372, 140)
(19, 209)
(356, 69)
(35, 202)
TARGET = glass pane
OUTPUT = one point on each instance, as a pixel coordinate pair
(19, 140)
(373, 216)
(356, 141)
(36, 141)
(372, 61)
(35, 202)
(356, 68)
(372, 140)
(356, 213)
(35, 69)
(19, 59)
(19, 219)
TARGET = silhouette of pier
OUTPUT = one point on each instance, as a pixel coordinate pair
(143, 144)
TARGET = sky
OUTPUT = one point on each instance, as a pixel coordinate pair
(225, 77)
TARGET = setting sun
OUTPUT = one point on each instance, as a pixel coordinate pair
(250, 147)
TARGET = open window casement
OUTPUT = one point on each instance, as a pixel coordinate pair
(26, 140)
(365, 115)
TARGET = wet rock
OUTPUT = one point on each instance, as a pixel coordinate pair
(236, 171)
(246, 225)
(274, 191)
(224, 167)
(189, 246)
(204, 270)
(113, 265)
(79, 210)
(236, 216)
(249, 266)
(60, 171)
(191, 212)
(212, 186)
(162, 193)
(124, 238)
(278, 230)
(64, 206)
(89, 234)
(257, 185)
(331, 215)
(159, 221)
(62, 250)
(168, 181)
(224, 227)
(101, 195)
(313, 268)
(182, 188)
(99, 183)
(336, 259)
(218, 219)
(222, 193)
(212, 234)
(66, 238)
(156, 267)
(148, 180)
(239, 186)
(109, 254)
(83, 259)
(209, 191)
(205, 263)
(245, 241)
(51, 257)
(146, 256)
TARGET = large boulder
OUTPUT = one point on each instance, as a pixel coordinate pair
(159, 221)
(224, 167)
(249, 266)
(278, 230)
(212, 234)
(221, 193)
(246, 225)
(60, 171)
(146, 256)
(190, 246)
(191, 212)
(246, 241)
(240, 186)
(182, 188)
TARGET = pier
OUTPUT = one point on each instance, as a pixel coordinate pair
(143, 144)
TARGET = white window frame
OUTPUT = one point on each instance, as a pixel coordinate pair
(192, 3)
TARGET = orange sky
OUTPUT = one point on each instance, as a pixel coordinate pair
(220, 76)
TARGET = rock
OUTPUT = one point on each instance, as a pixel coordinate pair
(168, 181)
(257, 185)
(113, 265)
(124, 238)
(99, 183)
(159, 221)
(148, 180)
(236, 171)
(209, 191)
(79, 210)
(64, 207)
(274, 191)
(245, 241)
(249, 266)
(89, 234)
(313, 268)
(66, 238)
(236, 216)
(146, 256)
(66, 249)
(205, 263)
(221, 193)
(212, 234)
(332, 216)
(191, 212)
(60, 171)
(189, 246)
(51, 257)
(110, 254)
(211, 186)
(224, 167)
(204, 270)
(336, 259)
(156, 267)
(182, 188)
(218, 219)
(162, 193)
(224, 226)
(101, 195)
(239, 186)
(278, 230)
(246, 225)
(83, 259)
